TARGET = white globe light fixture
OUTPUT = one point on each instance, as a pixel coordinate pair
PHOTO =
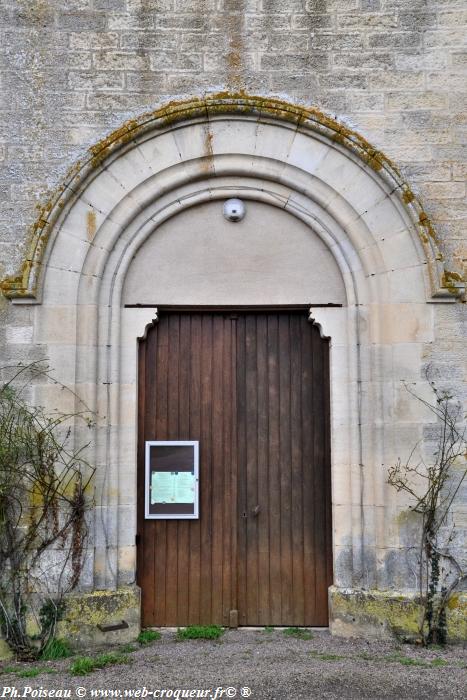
(234, 210)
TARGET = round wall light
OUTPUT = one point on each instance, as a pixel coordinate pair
(234, 210)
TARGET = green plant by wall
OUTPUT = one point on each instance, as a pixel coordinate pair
(43, 482)
(298, 633)
(83, 665)
(148, 636)
(433, 488)
(56, 649)
(200, 632)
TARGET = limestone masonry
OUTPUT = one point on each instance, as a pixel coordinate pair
(71, 74)
(350, 117)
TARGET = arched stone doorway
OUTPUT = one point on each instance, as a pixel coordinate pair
(375, 256)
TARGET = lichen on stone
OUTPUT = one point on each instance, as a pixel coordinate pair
(24, 283)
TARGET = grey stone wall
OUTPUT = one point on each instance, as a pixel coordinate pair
(71, 72)
(393, 70)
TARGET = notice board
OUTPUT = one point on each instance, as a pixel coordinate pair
(171, 485)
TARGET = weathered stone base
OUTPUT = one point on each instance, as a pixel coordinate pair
(353, 613)
(86, 613)
(388, 614)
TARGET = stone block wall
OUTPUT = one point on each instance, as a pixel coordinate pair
(393, 71)
(73, 72)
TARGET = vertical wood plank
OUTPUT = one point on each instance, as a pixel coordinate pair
(263, 471)
(217, 469)
(194, 574)
(285, 469)
(227, 514)
(235, 560)
(173, 411)
(298, 611)
(275, 514)
(183, 400)
(242, 476)
(251, 388)
(206, 476)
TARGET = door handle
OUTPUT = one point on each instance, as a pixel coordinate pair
(256, 510)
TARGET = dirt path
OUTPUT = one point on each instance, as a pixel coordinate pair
(268, 663)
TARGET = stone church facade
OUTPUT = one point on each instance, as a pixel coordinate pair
(339, 125)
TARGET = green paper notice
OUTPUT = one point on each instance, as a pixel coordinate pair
(172, 487)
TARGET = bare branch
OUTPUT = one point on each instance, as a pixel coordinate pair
(43, 481)
(434, 504)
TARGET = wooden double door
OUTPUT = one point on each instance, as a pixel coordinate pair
(253, 388)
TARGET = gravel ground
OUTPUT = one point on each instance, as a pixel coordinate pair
(269, 663)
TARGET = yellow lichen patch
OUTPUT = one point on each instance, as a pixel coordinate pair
(456, 615)
(395, 612)
(118, 137)
(16, 285)
(450, 280)
(10, 284)
(339, 138)
(226, 102)
(5, 651)
(84, 612)
(175, 112)
(407, 195)
(425, 221)
(353, 140)
(373, 159)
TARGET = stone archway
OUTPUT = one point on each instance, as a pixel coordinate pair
(319, 173)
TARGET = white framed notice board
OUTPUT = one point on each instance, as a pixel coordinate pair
(172, 479)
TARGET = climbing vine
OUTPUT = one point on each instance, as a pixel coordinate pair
(433, 489)
(44, 480)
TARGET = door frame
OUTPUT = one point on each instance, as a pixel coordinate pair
(241, 309)
(338, 323)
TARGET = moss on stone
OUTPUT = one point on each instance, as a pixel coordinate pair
(391, 613)
(5, 651)
(426, 224)
(84, 612)
(24, 283)
(450, 280)
(456, 615)
(378, 609)
(97, 607)
(407, 195)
